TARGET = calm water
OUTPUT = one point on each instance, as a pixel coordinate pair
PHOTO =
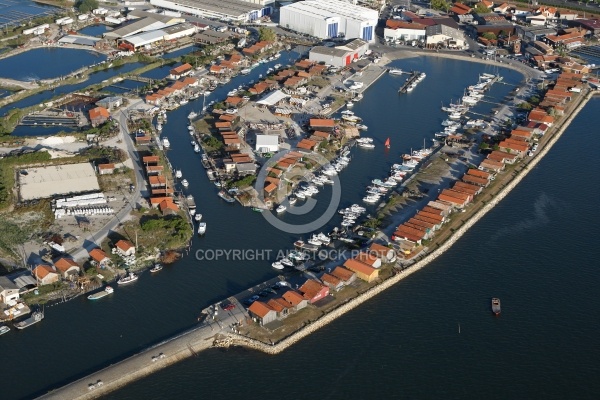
(94, 30)
(94, 78)
(13, 11)
(534, 251)
(26, 66)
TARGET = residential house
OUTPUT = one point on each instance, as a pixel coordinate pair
(180, 71)
(324, 125)
(262, 313)
(295, 299)
(98, 116)
(332, 282)
(307, 145)
(106, 169)
(396, 30)
(502, 156)
(282, 308)
(362, 270)
(384, 253)
(369, 258)
(125, 248)
(313, 291)
(491, 165)
(110, 102)
(445, 36)
(346, 276)
(45, 275)
(167, 207)
(468, 188)
(100, 257)
(9, 291)
(460, 200)
(514, 146)
(445, 209)
(67, 267)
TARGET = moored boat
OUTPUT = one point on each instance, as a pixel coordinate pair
(4, 329)
(277, 265)
(225, 196)
(107, 290)
(281, 209)
(184, 183)
(201, 228)
(157, 267)
(128, 279)
(36, 317)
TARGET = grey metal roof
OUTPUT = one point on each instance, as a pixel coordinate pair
(142, 39)
(233, 8)
(178, 28)
(354, 44)
(78, 39)
(166, 19)
(329, 51)
(139, 25)
(6, 283)
(25, 280)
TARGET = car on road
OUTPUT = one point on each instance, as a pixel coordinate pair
(264, 293)
(228, 306)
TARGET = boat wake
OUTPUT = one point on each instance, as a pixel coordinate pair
(541, 207)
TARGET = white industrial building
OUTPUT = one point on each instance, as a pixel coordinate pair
(37, 30)
(330, 19)
(178, 31)
(144, 39)
(224, 10)
(267, 143)
(405, 31)
(339, 56)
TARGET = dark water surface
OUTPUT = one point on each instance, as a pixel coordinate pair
(535, 251)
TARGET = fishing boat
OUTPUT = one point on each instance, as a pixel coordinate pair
(157, 267)
(36, 317)
(128, 279)
(225, 196)
(496, 305)
(107, 290)
(184, 183)
(387, 143)
(280, 209)
(201, 228)
(198, 217)
(4, 329)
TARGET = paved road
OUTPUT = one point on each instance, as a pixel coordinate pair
(97, 237)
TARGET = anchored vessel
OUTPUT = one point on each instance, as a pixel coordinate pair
(496, 305)
(34, 319)
(107, 290)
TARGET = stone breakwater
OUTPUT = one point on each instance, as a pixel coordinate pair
(238, 340)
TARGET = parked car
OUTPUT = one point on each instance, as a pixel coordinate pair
(228, 306)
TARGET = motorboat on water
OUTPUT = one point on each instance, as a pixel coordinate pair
(157, 267)
(347, 112)
(323, 238)
(192, 115)
(159, 127)
(198, 217)
(314, 240)
(245, 71)
(395, 71)
(372, 198)
(286, 262)
(496, 306)
(201, 228)
(197, 148)
(33, 319)
(107, 290)
(366, 145)
(165, 142)
(130, 278)
(349, 104)
(185, 183)
(292, 200)
(178, 174)
(362, 127)
(4, 329)
(280, 209)
(225, 196)
(277, 265)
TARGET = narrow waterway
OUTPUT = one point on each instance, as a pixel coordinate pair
(406, 340)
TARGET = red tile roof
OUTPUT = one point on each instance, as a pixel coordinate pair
(260, 309)
(63, 264)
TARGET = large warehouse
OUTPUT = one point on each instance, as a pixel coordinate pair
(226, 10)
(339, 56)
(330, 19)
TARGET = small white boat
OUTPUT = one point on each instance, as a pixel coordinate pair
(301, 195)
(245, 71)
(201, 228)
(159, 127)
(128, 279)
(324, 238)
(277, 66)
(178, 174)
(157, 267)
(192, 115)
(395, 71)
(185, 183)
(366, 145)
(281, 209)
(183, 102)
(198, 217)
(277, 265)
(196, 148)
(165, 142)
(361, 127)
(314, 240)
(4, 329)
(286, 262)
(292, 200)
(349, 104)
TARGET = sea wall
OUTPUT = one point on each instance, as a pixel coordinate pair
(234, 339)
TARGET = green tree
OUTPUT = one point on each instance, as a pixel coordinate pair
(266, 34)
(489, 36)
(441, 5)
(86, 6)
(481, 9)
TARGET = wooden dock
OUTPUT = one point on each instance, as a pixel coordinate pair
(411, 79)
